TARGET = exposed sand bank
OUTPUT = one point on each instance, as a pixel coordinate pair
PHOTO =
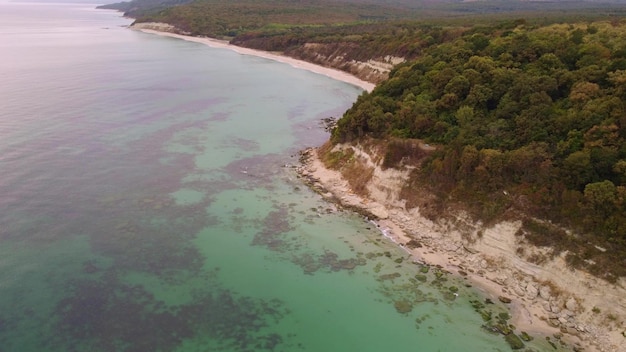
(165, 30)
(550, 300)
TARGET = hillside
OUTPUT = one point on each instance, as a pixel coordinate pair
(138, 8)
(362, 37)
(529, 122)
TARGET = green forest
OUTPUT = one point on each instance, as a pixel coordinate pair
(523, 102)
(377, 27)
(524, 117)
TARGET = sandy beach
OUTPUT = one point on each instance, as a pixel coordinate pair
(299, 64)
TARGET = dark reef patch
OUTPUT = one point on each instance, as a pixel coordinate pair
(273, 232)
(112, 316)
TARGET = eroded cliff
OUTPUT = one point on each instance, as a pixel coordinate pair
(546, 296)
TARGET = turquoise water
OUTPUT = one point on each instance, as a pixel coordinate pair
(148, 203)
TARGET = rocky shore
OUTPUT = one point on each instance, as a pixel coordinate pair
(570, 306)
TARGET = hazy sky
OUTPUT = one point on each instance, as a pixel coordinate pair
(68, 1)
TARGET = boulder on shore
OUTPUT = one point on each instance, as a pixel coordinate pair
(504, 299)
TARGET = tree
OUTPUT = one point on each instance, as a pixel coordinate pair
(583, 91)
(459, 86)
(577, 170)
(601, 196)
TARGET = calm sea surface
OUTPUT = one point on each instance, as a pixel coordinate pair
(145, 205)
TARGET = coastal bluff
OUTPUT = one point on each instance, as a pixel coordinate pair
(551, 299)
(325, 55)
(158, 26)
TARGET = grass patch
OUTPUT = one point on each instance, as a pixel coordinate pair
(356, 172)
(334, 159)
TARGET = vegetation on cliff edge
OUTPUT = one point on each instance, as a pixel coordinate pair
(336, 32)
(527, 118)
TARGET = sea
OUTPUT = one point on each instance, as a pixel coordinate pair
(149, 202)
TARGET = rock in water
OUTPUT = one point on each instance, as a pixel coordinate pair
(514, 341)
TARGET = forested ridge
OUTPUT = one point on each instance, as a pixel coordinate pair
(364, 29)
(526, 118)
(138, 8)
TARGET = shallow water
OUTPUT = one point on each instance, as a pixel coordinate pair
(148, 203)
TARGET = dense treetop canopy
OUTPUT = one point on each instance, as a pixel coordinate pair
(533, 112)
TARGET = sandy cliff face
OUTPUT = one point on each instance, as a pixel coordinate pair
(338, 56)
(158, 26)
(549, 298)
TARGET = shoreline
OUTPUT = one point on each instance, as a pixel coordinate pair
(222, 44)
(527, 306)
(329, 182)
(530, 309)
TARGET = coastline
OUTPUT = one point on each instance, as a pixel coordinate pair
(540, 303)
(164, 30)
(533, 311)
